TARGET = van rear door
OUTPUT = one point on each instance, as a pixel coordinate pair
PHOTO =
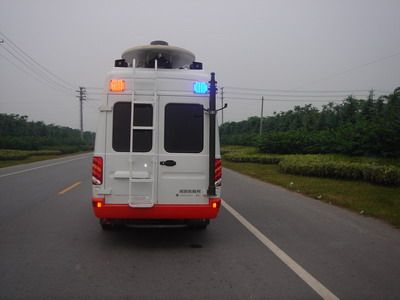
(182, 150)
(130, 177)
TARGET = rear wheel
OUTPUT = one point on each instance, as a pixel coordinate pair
(108, 225)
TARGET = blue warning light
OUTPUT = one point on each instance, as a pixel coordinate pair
(200, 87)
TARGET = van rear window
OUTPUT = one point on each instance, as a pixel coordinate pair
(142, 138)
(184, 128)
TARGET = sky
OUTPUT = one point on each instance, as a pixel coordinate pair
(292, 52)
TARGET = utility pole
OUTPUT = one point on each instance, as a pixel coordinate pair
(262, 112)
(222, 105)
(82, 97)
(371, 94)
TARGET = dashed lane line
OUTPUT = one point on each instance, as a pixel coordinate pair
(69, 188)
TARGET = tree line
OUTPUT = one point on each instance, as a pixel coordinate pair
(355, 127)
(16, 132)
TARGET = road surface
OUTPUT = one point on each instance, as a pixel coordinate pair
(267, 243)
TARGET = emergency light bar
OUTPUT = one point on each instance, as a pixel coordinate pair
(200, 87)
(117, 85)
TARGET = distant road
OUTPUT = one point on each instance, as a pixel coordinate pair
(267, 243)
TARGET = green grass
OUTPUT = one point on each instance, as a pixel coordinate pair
(365, 198)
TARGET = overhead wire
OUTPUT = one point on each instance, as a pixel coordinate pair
(294, 91)
(350, 69)
(62, 82)
(51, 82)
(96, 93)
(256, 95)
(227, 93)
(26, 64)
(93, 88)
(282, 100)
(43, 74)
(284, 95)
(35, 76)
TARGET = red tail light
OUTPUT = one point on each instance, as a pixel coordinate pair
(97, 170)
(218, 172)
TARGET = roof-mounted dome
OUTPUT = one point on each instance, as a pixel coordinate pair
(168, 57)
(162, 43)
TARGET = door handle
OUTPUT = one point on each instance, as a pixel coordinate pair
(168, 163)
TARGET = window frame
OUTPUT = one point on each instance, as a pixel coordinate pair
(121, 147)
(166, 144)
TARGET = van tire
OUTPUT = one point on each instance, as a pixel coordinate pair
(107, 225)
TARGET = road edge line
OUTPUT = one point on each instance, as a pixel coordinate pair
(44, 166)
(317, 286)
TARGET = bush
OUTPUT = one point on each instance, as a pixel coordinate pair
(261, 159)
(248, 154)
(243, 139)
(68, 149)
(14, 154)
(297, 142)
(327, 166)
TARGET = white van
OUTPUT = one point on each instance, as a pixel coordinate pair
(157, 156)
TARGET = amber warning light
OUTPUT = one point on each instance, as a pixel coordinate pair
(117, 85)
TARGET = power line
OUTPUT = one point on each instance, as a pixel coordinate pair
(99, 94)
(283, 100)
(41, 67)
(93, 103)
(294, 91)
(291, 96)
(94, 88)
(34, 75)
(350, 69)
(34, 72)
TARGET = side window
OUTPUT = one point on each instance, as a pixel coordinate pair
(142, 138)
(184, 128)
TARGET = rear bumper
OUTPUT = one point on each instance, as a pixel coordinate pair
(158, 211)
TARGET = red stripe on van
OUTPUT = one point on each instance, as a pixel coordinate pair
(158, 211)
(218, 169)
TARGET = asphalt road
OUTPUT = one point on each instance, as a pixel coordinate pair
(52, 247)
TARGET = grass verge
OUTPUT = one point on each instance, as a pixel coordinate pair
(364, 198)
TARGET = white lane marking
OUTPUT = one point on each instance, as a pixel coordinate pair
(44, 166)
(286, 259)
